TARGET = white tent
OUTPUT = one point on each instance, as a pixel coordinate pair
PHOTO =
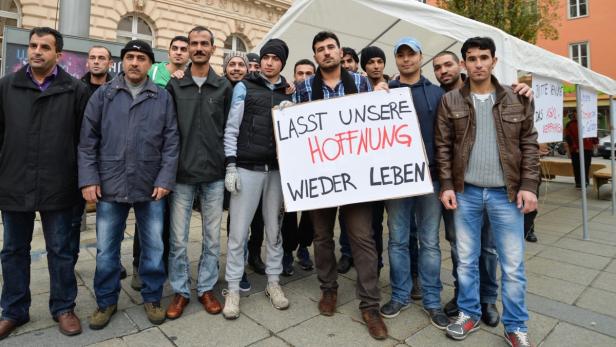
(359, 23)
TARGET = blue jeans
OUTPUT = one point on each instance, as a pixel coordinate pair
(507, 224)
(62, 245)
(110, 225)
(378, 207)
(488, 286)
(428, 218)
(180, 204)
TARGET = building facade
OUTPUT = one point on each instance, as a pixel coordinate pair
(236, 24)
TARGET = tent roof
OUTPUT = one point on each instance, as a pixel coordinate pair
(359, 22)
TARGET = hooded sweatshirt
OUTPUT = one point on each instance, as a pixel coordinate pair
(426, 98)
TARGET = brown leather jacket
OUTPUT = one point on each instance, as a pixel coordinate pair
(515, 134)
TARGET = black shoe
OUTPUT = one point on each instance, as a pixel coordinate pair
(303, 259)
(287, 265)
(438, 318)
(393, 309)
(489, 314)
(416, 290)
(255, 262)
(531, 237)
(122, 272)
(451, 308)
(344, 264)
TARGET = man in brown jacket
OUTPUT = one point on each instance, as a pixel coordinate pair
(487, 153)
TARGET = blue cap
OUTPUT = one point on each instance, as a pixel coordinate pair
(408, 41)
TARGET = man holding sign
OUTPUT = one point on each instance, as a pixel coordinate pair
(331, 81)
(487, 152)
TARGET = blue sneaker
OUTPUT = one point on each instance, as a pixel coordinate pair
(303, 259)
(244, 283)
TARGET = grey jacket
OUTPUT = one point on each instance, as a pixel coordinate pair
(128, 146)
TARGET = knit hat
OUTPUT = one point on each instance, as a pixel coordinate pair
(232, 55)
(369, 53)
(276, 47)
(252, 58)
(138, 46)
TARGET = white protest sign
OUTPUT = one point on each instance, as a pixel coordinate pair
(548, 109)
(363, 147)
(589, 112)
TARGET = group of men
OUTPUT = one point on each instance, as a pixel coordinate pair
(157, 137)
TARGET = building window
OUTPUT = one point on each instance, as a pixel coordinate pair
(9, 15)
(234, 43)
(578, 8)
(135, 28)
(580, 53)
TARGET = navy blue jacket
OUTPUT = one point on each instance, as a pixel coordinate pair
(426, 98)
(128, 146)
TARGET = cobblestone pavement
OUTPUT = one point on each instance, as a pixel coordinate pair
(571, 295)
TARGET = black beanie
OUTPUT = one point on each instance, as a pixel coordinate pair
(369, 53)
(276, 47)
(252, 57)
(138, 46)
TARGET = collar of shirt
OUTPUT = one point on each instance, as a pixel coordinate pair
(48, 79)
(271, 85)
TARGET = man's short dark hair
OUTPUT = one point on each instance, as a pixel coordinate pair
(181, 38)
(101, 47)
(304, 62)
(478, 42)
(452, 54)
(322, 36)
(200, 28)
(42, 31)
(350, 51)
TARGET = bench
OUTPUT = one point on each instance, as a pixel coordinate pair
(601, 177)
(552, 167)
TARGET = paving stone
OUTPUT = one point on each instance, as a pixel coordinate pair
(599, 301)
(606, 281)
(573, 257)
(270, 342)
(189, 331)
(598, 236)
(612, 267)
(545, 286)
(570, 335)
(539, 326)
(338, 330)
(115, 342)
(259, 308)
(589, 247)
(552, 225)
(433, 337)
(148, 338)
(563, 271)
(309, 287)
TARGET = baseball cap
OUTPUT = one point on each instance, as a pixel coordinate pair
(408, 41)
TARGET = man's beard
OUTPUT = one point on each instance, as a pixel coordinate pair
(98, 74)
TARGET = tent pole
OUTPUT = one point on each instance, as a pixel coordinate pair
(383, 33)
(580, 126)
(612, 135)
(444, 49)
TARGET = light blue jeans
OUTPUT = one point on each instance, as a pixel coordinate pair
(507, 224)
(180, 204)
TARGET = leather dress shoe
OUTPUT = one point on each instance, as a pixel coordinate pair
(327, 304)
(176, 307)
(7, 326)
(68, 323)
(255, 262)
(344, 264)
(210, 303)
(375, 323)
(531, 237)
(489, 314)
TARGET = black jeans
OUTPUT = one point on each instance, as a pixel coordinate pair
(62, 245)
(294, 235)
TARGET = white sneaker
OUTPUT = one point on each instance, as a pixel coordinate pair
(232, 304)
(277, 298)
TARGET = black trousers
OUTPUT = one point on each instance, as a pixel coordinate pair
(294, 235)
(575, 161)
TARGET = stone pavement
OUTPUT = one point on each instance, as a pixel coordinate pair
(571, 295)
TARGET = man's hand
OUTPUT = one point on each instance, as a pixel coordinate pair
(382, 86)
(522, 89)
(283, 104)
(448, 198)
(179, 74)
(91, 193)
(232, 179)
(290, 89)
(527, 201)
(543, 149)
(159, 193)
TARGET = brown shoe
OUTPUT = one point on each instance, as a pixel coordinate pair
(69, 324)
(210, 303)
(176, 307)
(6, 327)
(327, 304)
(376, 326)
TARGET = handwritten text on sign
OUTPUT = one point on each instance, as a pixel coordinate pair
(548, 109)
(589, 112)
(357, 148)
